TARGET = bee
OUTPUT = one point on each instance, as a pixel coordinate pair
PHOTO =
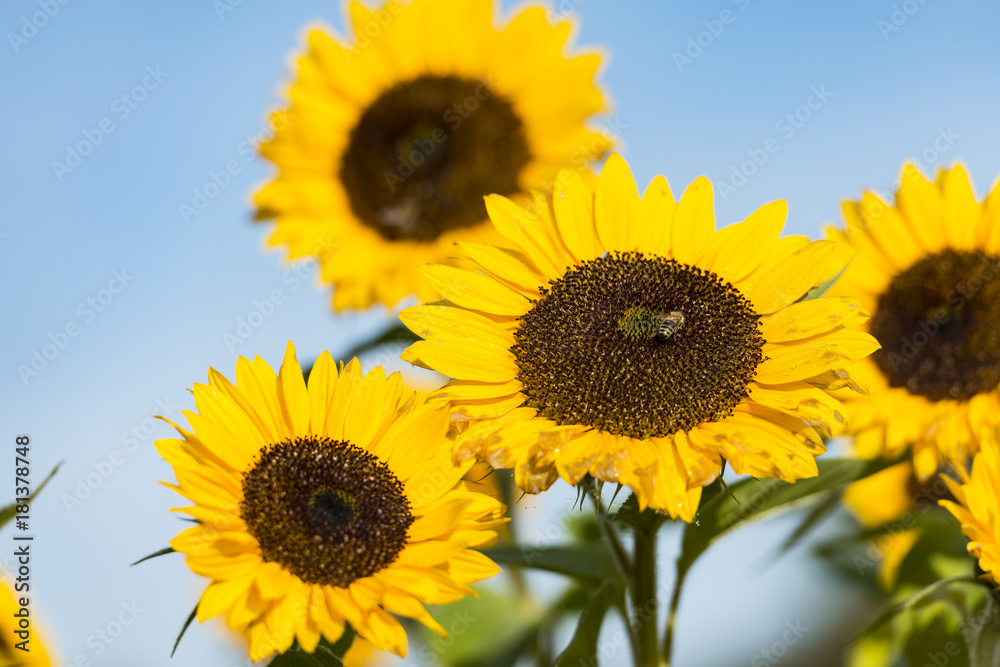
(669, 324)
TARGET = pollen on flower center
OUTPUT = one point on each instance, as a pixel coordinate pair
(639, 322)
(939, 326)
(426, 151)
(589, 353)
(327, 511)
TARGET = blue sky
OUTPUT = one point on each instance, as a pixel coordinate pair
(810, 102)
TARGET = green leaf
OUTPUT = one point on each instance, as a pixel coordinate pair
(8, 513)
(823, 287)
(161, 552)
(934, 637)
(588, 561)
(495, 628)
(582, 648)
(984, 642)
(758, 498)
(342, 645)
(816, 515)
(926, 595)
(296, 657)
(191, 616)
(398, 335)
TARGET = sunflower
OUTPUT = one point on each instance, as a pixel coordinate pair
(628, 339)
(926, 267)
(11, 655)
(325, 505)
(976, 505)
(389, 145)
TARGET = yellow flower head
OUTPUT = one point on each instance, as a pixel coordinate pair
(389, 145)
(11, 655)
(628, 339)
(977, 506)
(926, 267)
(324, 505)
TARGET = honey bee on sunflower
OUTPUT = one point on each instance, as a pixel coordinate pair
(388, 145)
(627, 339)
(926, 267)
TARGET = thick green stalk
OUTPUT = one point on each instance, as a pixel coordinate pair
(644, 596)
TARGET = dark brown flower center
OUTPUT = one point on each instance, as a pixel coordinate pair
(327, 511)
(939, 326)
(638, 345)
(424, 154)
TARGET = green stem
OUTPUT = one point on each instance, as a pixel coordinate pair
(622, 562)
(675, 598)
(644, 601)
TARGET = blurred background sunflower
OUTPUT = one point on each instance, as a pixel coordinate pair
(927, 266)
(394, 136)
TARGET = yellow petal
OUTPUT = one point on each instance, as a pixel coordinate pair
(507, 265)
(574, 208)
(810, 404)
(464, 360)
(519, 227)
(476, 291)
(292, 390)
(811, 318)
(961, 212)
(615, 206)
(803, 359)
(412, 439)
(749, 242)
(322, 379)
(786, 282)
(655, 218)
(920, 202)
(693, 223)
(447, 323)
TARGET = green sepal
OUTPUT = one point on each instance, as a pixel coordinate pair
(162, 552)
(190, 618)
(822, 288)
